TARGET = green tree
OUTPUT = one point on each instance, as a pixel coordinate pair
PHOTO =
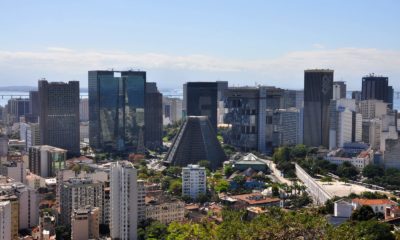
(372, 170)
(365, 213)
(347, 170)
(156, 230)
(175, 187)
(228, 170)
(222, 186)
(205, 163)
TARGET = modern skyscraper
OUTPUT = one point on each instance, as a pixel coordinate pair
(153, 117)
(246, 113)
(84, 110)
(17, 107)
(377, 87)
(317, 96)
(59, 115)
(172, 110)
(285, 124)
(116, 110)
(339, 90)
(34, 106)
(195, 141)
(202, 100)
(124, 201)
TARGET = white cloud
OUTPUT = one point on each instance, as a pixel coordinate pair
(350, 64)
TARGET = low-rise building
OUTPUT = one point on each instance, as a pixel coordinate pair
(343, 208)
(165, 210)
(378, 205)
(255, 200)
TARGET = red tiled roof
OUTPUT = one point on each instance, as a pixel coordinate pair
(363, 201)
(255, 198)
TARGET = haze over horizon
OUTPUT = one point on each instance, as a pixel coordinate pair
(175, 42)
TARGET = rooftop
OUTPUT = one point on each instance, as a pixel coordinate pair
(255, 198)
(363, 201)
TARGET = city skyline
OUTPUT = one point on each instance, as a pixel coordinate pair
(264, 43)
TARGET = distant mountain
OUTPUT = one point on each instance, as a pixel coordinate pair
(27, 89)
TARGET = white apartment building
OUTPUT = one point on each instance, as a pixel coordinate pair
(5, 220)
(123, 201)
(193, 181)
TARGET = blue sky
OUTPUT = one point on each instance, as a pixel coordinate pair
(244, 42)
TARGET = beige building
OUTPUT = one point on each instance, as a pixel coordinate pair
(165, 210)
(85, 223)
(13, 200)
(370, 109)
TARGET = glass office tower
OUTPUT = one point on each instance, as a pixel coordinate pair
(116, 110)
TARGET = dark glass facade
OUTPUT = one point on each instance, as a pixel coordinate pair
(202, 100)
(116, 110)
(318, 92)
(59, 115)
(153, 117)
(377, 87)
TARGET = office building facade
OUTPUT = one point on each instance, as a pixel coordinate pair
(153, 117)
(317, 96)
(59, 115)
(377, 87)
(46, 161)
(117, 110)
(202, 100)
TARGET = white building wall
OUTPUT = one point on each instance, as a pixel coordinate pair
(344, 127)
(193, 181)
(5, 220)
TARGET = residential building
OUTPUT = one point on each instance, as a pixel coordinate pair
(59, 115)
(202, 100)
(254, 200)
(27, 201)
(3, 146)
(196, 140)
(141, 200)
(153, 117)
(360, 161)
(46, 161)
(377, 87)
(15, 169)
(317, 96)
(123, 201)
(164, 209)
(5, 220)
(85, 223)
(14, 222)
(117, 110)
(377, 205)
(194, 181)
(79, 192)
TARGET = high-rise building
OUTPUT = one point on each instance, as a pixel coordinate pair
(202, 100)
(78, 192)
(84, 110)
(293, 99)
(46, 161)
(30, 133)
(196, 140)
(339, 90)
(34, 106)
(59, 115)
(124, 201)
(5, 220)
(17, 107)
(85, 223)
(15, 169)
(356, 95)
(246, 113)
(317, 96)
(153, 117)
(377, 87)
(117, 110)
(3, 146)
(370, 109)
(222, 87)
(172, 110)
(194, 181)
(285, 127)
